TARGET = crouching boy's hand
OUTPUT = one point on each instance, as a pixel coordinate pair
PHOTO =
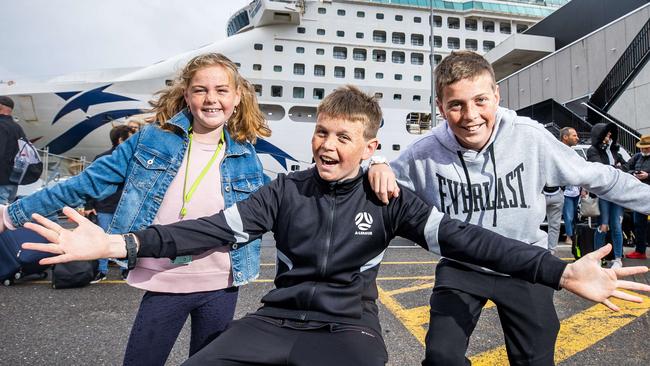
(588, 279)
(87, 241)
(383, 182)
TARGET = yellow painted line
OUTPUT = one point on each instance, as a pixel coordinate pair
(580, 331)
(403, 290)
(410, 320)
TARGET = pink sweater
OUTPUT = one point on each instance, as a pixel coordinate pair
(206, 272)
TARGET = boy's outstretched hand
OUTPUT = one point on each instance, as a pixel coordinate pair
(87, 241)
(586, 278)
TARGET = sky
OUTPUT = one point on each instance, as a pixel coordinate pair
(45, 38)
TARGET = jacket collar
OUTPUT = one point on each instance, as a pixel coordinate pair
(342, 186)
(183, 120)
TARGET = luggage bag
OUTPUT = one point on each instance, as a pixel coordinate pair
(15, 262)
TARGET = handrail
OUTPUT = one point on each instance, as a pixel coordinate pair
(632, 133)
(626, 138)
(627, 66)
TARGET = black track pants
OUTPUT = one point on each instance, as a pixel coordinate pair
(257, 340)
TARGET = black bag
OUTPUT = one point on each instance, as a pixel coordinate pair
(27, 164)
(73, 274)
(583, 243)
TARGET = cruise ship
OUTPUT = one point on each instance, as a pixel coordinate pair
(295, 53)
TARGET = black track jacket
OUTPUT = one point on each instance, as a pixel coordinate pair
(330, 239)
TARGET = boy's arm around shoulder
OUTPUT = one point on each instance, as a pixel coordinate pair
(99, 180)
(239, 224)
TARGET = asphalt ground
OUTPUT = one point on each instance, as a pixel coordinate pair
(90, 325)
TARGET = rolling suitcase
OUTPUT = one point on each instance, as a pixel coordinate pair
(584, 241)
(15, 262)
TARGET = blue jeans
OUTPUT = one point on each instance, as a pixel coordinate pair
(569, 213)
(640, 231)
(103, 220)
(610, 214)
(7, 193)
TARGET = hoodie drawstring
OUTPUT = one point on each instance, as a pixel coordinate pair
(469, 184)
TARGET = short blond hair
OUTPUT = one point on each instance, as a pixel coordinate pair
(350, 103)
(461, 65)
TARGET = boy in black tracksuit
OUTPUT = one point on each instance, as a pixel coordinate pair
(331, 233)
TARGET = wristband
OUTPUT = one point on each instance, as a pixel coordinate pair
(131, 250)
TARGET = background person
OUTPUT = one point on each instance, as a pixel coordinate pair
(569, 137)
(604, 150)
(639, 166)
(209, 113)
(10, 132)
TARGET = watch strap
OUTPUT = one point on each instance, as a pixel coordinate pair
(131, 250)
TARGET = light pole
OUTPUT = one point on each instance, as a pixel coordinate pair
(431, 62)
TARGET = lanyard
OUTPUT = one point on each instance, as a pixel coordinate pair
(188, 196)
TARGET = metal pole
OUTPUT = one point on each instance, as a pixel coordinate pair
(431, 62)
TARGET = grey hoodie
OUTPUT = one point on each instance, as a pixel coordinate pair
(524, 157)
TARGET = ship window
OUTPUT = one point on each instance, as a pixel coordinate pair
(340, 53)
(319, 93)
(453, 43)
(301, 30)
(257, 67)
(276, 91)
(298, 92)
(398, 38)
(322, 10)
(398, 76)
(340, 33)
(281, 17)
(169, 82)
(417, 40)
(471, 24)
(237, 64)
(488, 26)
(417, 78)
(359, 35)
(320, 31)
(379, 16)
(258, 89)
(379, 55)
(300, 49)
(379, 145)
(361, 14)
(505, 28)
(272, 112)
(399, 18)
(379, 36)
(319, 70)
(397, 96)
(437, 21)
(303, 114)
(339, 72)
(488, 45)
(417, 20)
(320, 51)
(453, 23)
(417, 123)
(417, 59)
(471, 44)
(359, 73)
(396, 147)
(340, 12)
(379, 75)
(521, 28)
(359, 54)
(437, 59)
(299, 69)
(258, 46)
(379, 95)
(398, 57)
(417, 98)
(278, 48)
(437, 41)
(277, 68)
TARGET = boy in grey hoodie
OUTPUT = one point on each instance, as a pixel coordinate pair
(487, 166)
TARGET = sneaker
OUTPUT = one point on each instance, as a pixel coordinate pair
(636, 255)
(617, 263)
(99, 277)
(568, 240)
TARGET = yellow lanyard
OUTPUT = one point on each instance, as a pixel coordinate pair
(188, 196)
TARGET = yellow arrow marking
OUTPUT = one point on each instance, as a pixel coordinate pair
(580, 331)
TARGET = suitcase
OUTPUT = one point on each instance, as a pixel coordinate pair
(16, 262)
(583, 243)
(73, 274)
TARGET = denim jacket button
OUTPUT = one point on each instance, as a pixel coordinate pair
(239, 275)
(235, 246)
(150, 161)
(227, 188)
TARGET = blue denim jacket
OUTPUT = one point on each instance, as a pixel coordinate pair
(146, 163)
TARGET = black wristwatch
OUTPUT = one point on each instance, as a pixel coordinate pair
(131, 250)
